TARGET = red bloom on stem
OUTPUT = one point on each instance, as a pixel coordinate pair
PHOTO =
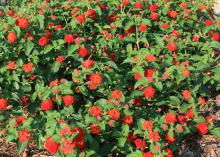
(88, 63)
(138, 5)
(27, 67)
(195, 38)
(190, 114)
(148, 125)
(95, 129)
(46, 105)
(19, 120)
(128, 120)
(69, 38)
(141, 144)
(95, 79)
(150, 58)
(11, 37)
(169, 152)
(80, 133)
(164, 26)
(114, 114)
(170, 139)
(59, 59)
(22, 22)
(208, 22)
(202, 128)
(172, 46)
(23, 135)
(154, 136)
(142, 27)
(67, 147)
(170, 118)
(186, 94)
(137, 76)
(148, 154)
(83, 51)
(116, 94)
(153, 7)
(68, 100)
(125, 2)
(149, 92)
(3, 104)
(154, 16)
(149, 74)
(51, 146)
(95, 111)
(182, 119)
(43, 41)
(80, 19)
(173, 14)
(11, 65)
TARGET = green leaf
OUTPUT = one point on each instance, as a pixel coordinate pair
(22, 146)
(47, 48)
(26, 87)
(142, 81)
(174, 100)
(159, 41)
(217, 74)
(30, 46)
(128, 24)
(40, 19)
(215, 45)
(55, 67)
(121, 141)
(215, 132)
(125, 130)
(129, 48)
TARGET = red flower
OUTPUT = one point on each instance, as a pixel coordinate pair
(149, 74)
(68, 100)
(80, 133)
(150, 58)
(128, 120)
(170, 118)
(148, 154)
(11, 37)
(22, 22)
(28, 67)
(3, 104)
(125, 2)
(141, 144)
(69, 38)
(67, 147)
(83, 51)
(95, 79)
(154, 16)
(148, 125)
(88, 63)
(153, 7)
(43, 41)
(195, 38)
(51, 146)
(149, 92)
(19, 120)
(172, 46)
(137, 76)
(116, 94)
(169, 152)
(95, 129)
(59, 59)
(186, 94)
(114, 114)
(169, 139)
(182, 119)
(164, 26)
(95, 111)
(173, 14)
(202, 128)
(208, 22)
(23, 135)
(215, 36)
(142, 27)
(11, 65)
(154, 136)
(190, 114)
(46, 105)
(80, 19)
(138, 5)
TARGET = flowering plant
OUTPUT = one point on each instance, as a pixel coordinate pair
(94, 78)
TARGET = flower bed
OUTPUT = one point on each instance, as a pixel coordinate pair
(99, 78)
